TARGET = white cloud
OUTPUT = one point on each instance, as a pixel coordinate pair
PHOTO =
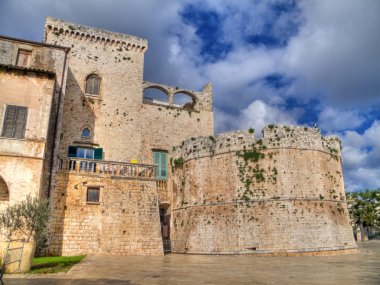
(257, 115)
(361, 158)
(336, 120)
(334, 57)
(336, 51)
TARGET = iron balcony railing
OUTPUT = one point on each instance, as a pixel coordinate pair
(106, 168)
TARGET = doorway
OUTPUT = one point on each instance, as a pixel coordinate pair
(165, 226)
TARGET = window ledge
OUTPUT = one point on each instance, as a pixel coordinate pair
(23, 139)
(93, 203)
(93, 96)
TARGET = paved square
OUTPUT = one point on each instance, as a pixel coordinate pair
(361, 268)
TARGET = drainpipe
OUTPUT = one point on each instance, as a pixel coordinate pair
(56, 123)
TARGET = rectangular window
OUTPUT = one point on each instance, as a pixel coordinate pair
(85, 153)
(23, 58)
(93, 194)
(160, 158)
(15, 122)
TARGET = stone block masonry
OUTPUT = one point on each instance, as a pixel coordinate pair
(280, 194)
(124, 222)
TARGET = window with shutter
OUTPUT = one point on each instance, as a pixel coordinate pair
(23, 58)
(92, 84)
(160, 159)
(15, 122)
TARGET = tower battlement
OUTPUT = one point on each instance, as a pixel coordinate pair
(89, 34)
(274, 137)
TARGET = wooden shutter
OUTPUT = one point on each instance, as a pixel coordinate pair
(10, 116)
(92, 85)
(20, 122)
(156, 161)
(72, 152)
(164, 165)
(161, 160)
(98, 153)
(15, 122)
(23, 58)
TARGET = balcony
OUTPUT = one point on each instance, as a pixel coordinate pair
(107, 168)
(162, 185)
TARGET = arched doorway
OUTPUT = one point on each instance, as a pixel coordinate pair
(4, 192)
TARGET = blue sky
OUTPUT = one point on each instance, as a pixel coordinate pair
(275, 61)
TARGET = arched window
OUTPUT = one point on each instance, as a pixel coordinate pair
(184, 100)
(155, 95)
(86, 133)
(92, 84)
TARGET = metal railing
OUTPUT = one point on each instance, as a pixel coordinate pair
(12, 255)
(175, 246)
(106, 168)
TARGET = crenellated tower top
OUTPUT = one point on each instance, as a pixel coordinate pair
(89, 34)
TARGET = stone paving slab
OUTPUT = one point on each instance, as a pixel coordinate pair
(361, 268)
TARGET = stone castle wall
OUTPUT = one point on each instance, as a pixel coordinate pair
(164, 127)
(121, 123)
(113, 117)
(124, 222)
(282, 194)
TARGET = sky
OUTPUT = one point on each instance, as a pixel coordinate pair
(270, 62)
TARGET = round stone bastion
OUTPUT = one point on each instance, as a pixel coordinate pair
(282, 194)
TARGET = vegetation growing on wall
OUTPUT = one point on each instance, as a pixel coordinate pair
(250, 171)
(176, 163)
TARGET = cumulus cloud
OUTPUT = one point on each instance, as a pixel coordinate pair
(361, 158)
(336, 51)
(331, 119)
(257, 115)
(326, 51)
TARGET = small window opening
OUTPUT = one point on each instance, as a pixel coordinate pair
(23, 58)
(86, 133)
(93, 194)
(15, 122)
(92, 84)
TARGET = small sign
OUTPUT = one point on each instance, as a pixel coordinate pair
(134, 161)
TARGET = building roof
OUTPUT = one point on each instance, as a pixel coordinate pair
(33, 42)
(27, 69)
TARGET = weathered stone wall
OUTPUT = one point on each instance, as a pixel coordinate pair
(163, 127)
(25, 162)
(120, 122)
(125, 222)
(22, 176)
(282, 194)
(113, 117)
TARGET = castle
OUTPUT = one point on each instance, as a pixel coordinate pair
(130, 175)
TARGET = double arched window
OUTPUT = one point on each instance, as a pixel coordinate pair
(92, 84)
